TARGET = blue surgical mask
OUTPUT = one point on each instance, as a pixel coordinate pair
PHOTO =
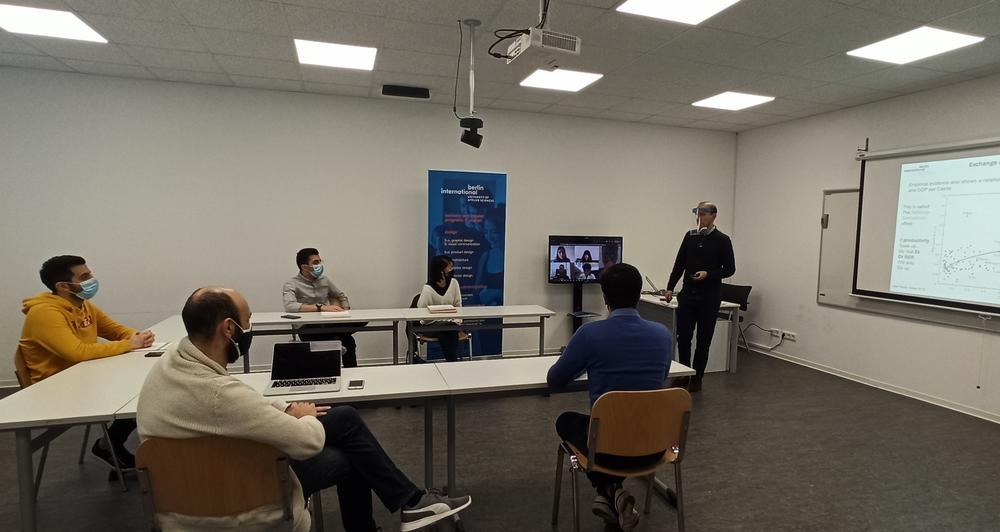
(318, 271)
(88, 289)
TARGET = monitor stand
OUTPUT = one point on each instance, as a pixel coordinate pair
(578, 314)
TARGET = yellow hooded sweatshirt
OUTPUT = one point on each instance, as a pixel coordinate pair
(58, 334)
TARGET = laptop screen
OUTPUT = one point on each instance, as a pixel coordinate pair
(306, 360)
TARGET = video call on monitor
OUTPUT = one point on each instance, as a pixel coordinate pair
(581, 259)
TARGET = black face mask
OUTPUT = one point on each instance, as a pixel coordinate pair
(239, 344)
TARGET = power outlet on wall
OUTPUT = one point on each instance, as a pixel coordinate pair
(789, 335)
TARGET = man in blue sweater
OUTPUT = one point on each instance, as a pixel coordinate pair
(622, 353)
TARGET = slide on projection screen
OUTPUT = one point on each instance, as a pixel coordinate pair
(929, 230)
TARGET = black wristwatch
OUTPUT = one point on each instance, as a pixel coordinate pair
(319, 307)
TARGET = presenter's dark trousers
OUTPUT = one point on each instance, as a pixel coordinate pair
(696, 313)
(353, 460)
(572, 427)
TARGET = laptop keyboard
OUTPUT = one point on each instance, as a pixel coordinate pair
(304, 382)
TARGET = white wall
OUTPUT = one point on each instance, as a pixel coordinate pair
(781, 171)
(165, 187)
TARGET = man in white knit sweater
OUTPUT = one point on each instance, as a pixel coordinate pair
(189, 394)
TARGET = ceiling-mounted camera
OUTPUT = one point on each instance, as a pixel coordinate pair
(471, 134)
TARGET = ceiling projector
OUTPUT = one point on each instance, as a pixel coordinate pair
(542, 46)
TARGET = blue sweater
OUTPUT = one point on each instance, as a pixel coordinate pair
(621, 353)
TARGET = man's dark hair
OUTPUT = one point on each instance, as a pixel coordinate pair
(302, 257)
(622, 285)
(204, 310)
(58, 270)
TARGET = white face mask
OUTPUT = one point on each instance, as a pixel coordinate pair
(698, 229)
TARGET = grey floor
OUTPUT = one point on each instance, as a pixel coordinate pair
(774, 447)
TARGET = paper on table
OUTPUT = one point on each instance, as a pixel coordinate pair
(441, 309)
(340, 314)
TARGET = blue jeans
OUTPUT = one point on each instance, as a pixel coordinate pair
(353, 460)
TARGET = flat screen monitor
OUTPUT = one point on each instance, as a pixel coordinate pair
(581, 259)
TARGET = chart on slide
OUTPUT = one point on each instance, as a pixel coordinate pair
(970, 250)
(947, 240)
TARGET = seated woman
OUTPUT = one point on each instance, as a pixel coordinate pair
(442, 289)
(561, 255)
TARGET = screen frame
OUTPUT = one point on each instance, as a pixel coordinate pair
(581, 239)
(904, 298)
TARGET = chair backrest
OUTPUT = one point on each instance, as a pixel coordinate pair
(21, 370)
(212, 476)
(735, 293)
(639, 423)
(413, 304)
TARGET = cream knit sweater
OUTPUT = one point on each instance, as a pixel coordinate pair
(188, 395)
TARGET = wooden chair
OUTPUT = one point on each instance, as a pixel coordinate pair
(631, 424)
(24, 380)
(463, 336)
(212, 476)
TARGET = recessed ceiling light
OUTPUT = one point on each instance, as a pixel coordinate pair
(335, 55)
(560, 80)
(733, 101)
(47, 23)
(685, 11)
(922, 42)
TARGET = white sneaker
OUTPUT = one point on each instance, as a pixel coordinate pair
(431, 508)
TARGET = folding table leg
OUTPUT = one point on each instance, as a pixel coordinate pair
(25, 479)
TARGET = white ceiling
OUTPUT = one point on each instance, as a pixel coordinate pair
(791, 49)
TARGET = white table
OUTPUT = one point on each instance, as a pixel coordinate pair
(88, 392)
(100, 391)
(272, 323)
(731, 309)
(502, 313)
(383, 384)
(512, 376)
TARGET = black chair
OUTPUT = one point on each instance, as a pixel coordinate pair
(739, 294)
(421, 340)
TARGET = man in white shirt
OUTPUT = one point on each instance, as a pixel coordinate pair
(189, 394)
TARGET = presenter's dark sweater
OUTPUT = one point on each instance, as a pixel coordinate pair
(711, 252)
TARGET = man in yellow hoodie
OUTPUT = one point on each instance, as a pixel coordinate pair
(61, 328)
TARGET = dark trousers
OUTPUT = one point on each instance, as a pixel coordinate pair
(691, 313)
(353, 460)
(350, 358)
(448, 341)
(119, 431)
(572, 427)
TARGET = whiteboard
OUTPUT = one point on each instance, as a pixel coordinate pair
(838, 235)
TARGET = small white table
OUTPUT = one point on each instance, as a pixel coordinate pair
(502, 313)
(731, 309)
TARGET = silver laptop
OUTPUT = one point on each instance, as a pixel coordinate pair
(305, 367)
(656, 291)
